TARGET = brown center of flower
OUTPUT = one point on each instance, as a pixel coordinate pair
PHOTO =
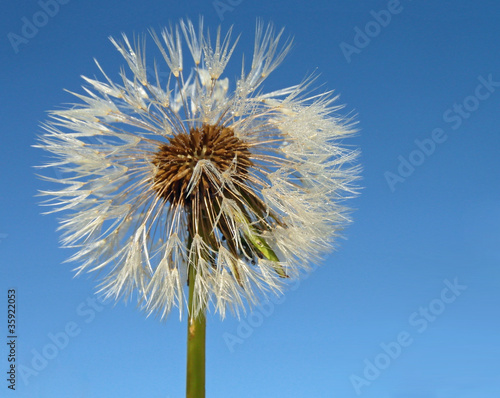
(176, 162)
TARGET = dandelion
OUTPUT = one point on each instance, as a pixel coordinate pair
(199, 191)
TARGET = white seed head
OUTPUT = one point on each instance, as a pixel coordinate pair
(244, 186)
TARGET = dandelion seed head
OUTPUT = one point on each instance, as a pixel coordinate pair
(243, 186)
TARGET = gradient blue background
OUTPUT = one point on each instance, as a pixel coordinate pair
(441, 223)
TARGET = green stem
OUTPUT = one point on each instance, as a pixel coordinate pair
(195, 377)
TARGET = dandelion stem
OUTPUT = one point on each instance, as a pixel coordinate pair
(195, 377)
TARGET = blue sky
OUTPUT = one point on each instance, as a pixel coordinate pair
(408, 305)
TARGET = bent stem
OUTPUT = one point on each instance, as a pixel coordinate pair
(195, 376)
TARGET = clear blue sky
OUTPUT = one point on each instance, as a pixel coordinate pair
(408, 306)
